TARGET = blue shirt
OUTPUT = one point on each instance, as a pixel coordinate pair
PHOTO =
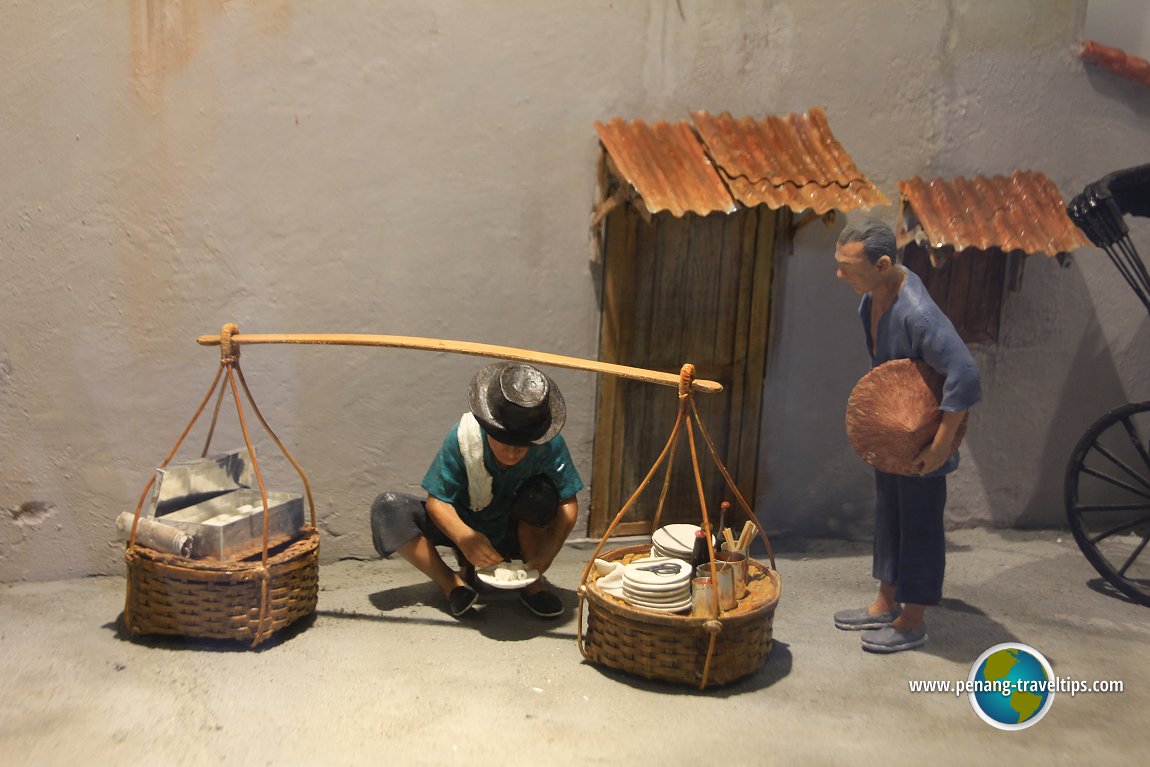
(446, 479)
(915, 328)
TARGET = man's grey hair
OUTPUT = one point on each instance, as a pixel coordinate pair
(877, 239)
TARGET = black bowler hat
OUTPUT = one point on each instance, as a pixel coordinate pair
(516, 404)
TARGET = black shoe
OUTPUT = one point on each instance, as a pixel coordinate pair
(461, 599)
(543, 603)
(467, 573)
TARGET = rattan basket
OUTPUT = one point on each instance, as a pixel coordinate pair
(169, 594)
(673, 648)
(246, 599)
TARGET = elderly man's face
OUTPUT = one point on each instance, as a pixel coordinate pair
(854, 268)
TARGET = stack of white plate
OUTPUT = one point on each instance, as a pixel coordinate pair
(658, 583)
(674, 541)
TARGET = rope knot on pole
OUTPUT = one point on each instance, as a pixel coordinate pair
(686, 378)
(229, 352)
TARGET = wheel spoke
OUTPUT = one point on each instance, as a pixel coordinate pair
(1116, 482)
(1115, 507)
(1121, 464)
(1137, 550)
(1120, 529)
(1136, 441)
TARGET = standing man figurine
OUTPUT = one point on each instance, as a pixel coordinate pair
(501, 487)
(900, 321)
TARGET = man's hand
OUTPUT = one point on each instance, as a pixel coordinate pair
(474, 544)
(542, 544)
(478, 549)
(932, 457)
(935, 454)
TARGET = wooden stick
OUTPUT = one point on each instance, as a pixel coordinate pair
(730, 539)
(746, 536)
(465, 347)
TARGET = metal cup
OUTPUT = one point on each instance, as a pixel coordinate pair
(738, 560)
(725, 571)
(703, 598)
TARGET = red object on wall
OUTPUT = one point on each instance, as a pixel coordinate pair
(1117, 61)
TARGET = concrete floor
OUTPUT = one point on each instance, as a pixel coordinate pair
(383, 675)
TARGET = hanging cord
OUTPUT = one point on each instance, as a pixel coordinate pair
(667, 448)
(734, 488)
(171, 455)
(686, 400)
(263, 568)
(230, 358)
(713, 626)
(703, 510)
(215, 417)
(635, 496)
(152, 480)
(229, 363)
(234, 356)
(684, 393)
(279, 444)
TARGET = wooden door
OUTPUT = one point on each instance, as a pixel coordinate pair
(695, 289)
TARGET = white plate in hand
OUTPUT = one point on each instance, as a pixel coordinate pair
(507, 575)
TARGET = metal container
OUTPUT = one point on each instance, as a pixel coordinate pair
(212, 500)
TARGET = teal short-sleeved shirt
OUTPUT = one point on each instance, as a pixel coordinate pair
(446, 479)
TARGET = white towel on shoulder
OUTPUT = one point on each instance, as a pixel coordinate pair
(470, 437)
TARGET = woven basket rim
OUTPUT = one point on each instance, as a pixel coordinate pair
(623, 610)
(300, 547)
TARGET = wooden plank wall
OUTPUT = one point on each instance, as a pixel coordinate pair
(968, 288)
(697, 290)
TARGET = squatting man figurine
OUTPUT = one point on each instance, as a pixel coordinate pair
(501, 487)
(900, 321)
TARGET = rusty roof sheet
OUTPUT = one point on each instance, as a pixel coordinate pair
(667, 166)
(1022, 211)
(792, 161)
(1117, 61)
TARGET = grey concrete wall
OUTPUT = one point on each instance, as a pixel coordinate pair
(959, 90)
(428, 169)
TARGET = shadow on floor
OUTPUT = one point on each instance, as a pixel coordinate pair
(166, 642)
(498, 615)
(1104, 588)
(959, 631)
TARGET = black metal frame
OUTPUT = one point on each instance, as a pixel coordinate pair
(1098, 212)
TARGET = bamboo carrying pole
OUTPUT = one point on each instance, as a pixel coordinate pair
(464, 347)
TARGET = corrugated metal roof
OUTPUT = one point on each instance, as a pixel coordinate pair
(1022, 211)
(792, 161)
(666, 165)
(1117, 61)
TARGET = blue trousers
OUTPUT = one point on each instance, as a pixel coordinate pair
(909, 543)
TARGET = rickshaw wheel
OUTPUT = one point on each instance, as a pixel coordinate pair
(1107, 494)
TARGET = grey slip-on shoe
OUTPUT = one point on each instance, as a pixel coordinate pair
(859, 620)
(889, 639)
